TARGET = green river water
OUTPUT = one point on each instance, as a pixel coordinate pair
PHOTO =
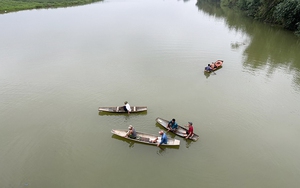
(57, 66)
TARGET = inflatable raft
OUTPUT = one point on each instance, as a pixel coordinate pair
(213, 66)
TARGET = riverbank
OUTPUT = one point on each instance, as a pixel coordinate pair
(7, 6)
(284, 13)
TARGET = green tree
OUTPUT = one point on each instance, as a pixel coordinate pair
(287, 13)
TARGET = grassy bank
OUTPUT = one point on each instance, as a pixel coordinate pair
(17, 5)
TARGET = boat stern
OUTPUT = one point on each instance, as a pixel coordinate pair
(176, 142)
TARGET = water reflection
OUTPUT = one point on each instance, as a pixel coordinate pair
(161, 151)
(237, 45)
(131, 143)
(267, 47)
(188, 143)
(208, 74)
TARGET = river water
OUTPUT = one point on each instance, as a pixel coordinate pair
(57, 66)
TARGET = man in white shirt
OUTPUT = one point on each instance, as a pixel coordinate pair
(127, 107)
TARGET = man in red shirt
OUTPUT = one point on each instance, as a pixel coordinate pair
(190, 132)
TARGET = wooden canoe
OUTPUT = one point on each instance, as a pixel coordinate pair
(181, 131)
(120, 109)
(146, 138)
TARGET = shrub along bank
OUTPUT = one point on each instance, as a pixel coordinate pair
(285, 13)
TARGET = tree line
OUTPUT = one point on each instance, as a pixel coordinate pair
(285, 13)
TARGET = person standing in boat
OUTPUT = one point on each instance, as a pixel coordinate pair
(172, 125)
(131, 133)
(127, 107)
(190, 131)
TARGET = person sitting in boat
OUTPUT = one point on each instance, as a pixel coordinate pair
(208, 68)
(131, 132)
(172, 125)
(190, 131)
(164, 139)
(127, 107)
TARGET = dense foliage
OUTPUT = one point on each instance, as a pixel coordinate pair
(281, 12)
(16, 5)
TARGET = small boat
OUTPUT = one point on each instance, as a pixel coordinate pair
(120, 109)
(181, 131)
(146, 138)
(218, 64)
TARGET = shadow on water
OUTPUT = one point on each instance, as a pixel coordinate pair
(213, 73)
(188, 143)
(131, 143)
(207, 74)
(266, 47)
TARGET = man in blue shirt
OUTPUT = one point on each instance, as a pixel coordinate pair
(208, 69)
(172, 125)
(164, 138)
